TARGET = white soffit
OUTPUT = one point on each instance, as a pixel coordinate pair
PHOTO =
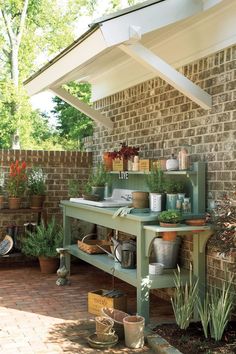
(96, 58)
(178, 44)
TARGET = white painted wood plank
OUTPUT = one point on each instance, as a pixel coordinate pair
(82, 107)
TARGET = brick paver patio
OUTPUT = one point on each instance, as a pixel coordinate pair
(38, 317)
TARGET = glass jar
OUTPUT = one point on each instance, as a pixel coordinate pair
(184, 158)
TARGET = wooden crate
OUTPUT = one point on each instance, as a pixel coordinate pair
(96, 301)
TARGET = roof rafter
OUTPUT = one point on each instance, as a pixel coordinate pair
(82, 107)
(150, 60)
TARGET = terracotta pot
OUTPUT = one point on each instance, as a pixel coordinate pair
(140, 200)
(1, 201)
(169, 235)
(107, 160)
(14, 203)
(36, 201)
(48, 265)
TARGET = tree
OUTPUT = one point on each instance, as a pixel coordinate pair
(73, 125)
(29, 30)
(28, 27)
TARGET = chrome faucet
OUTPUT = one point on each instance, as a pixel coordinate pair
(127, 197)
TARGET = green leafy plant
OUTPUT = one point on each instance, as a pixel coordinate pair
(172, 186)
(36, 181)
(221, 304)
(170, 216)
(184, 299)
(155, 180)
(73, 188)
(44, 240)
(204, 314)
(17, 180)
(98, 177)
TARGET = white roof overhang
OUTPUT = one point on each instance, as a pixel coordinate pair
(159, 35)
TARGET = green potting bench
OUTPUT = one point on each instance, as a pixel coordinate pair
(144, 227)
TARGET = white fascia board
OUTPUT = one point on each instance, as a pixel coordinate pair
(83, 52)
(147, 58)
(82, 107)
(150, 18)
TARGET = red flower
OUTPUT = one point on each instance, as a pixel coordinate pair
(17, 179)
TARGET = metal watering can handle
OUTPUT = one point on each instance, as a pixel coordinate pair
(115, 248)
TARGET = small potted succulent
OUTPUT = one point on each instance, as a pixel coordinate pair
(169, 218)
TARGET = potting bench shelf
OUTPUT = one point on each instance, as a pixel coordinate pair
(143, 227)
(194, 181)
(107, 264)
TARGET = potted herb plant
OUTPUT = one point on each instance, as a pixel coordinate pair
(172, 188)
(169, 218)
(36, 184)
(42, 243)
(97, 181)
(16, 184)
(156, 184)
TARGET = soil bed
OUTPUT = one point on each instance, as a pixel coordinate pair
(192, 340)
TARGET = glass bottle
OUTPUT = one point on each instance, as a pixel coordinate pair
(184, 158)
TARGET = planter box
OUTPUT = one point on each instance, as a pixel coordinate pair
(97, 300)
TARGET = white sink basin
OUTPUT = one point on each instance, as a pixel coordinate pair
(106, 203)
(119, 198)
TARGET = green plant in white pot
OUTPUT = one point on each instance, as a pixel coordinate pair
(43, 242)
(98, 180)
(156, 184)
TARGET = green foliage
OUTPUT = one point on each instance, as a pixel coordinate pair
(170, 216)
(221, 304)
(155, 180)
(204, 314)
(73, 188)
(184, 299)
(73, 125)
(172, 186)
(36, 181)
(99, 176)
(44, 241)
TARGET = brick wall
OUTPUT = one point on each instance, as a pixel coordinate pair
(60, 167)
(154, 112)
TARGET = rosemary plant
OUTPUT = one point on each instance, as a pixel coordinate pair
(184, 299)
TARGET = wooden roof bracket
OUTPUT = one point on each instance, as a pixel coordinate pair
(162, 69)
(82, 107)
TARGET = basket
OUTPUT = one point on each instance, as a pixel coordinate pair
(91, 246)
